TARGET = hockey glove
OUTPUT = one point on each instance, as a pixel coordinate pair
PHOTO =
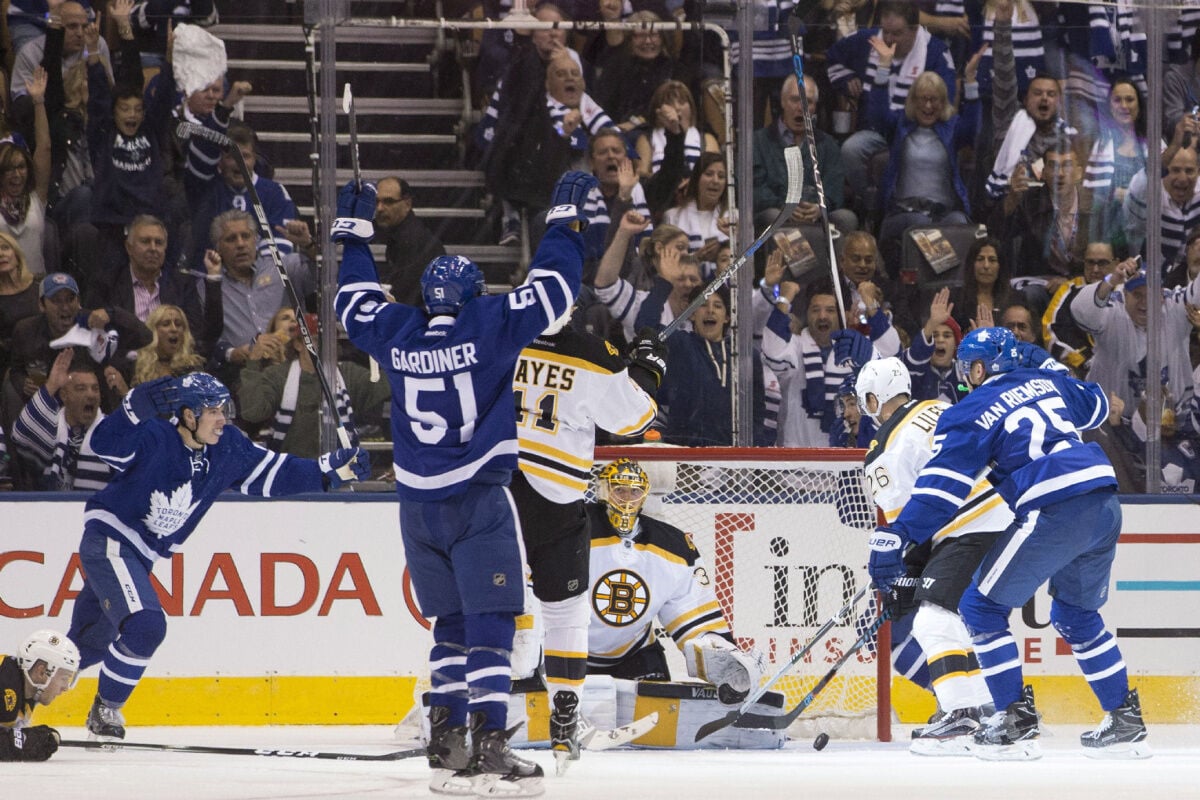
(649, 353)
(886, 564)
(851, 348)
(28, 744)
(901, 596)
(735, 672)
(567, 199)
(156, 398)
(344, 465)
(1031, 356)
(356, 212)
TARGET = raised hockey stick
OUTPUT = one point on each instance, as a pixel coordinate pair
(187, 129)
(780, 722)
(398, 755)
(731, 718)
(810, 137)
(795, 170)
(348, 108)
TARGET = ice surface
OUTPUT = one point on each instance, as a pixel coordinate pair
(861, 770)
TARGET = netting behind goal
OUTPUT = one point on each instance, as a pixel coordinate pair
(784, 535)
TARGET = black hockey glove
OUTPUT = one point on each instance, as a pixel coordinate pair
(28, 744)
(650, 354)
(900, 598)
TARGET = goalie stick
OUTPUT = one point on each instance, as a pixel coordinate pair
(187, 129)
(398, 755)
(810, 137)
(598, 740)
(795, 170)
(709, 728)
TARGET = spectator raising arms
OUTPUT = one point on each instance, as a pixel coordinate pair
(672, 109)
(704, 216)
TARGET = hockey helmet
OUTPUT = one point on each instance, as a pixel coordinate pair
(623, 488)
(199, 390)
(995, 347)
(56, 651)
(449, 283)
(884, 378)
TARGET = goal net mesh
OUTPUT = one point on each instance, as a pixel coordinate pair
(785, 545)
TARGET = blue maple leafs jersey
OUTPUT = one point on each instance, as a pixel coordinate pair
(1024, 425)
(161, 488)
(453, 416)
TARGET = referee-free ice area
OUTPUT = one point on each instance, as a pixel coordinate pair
(844, 769)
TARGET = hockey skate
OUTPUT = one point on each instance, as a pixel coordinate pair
(105, 723)
(494, 769)
(1122, 734)
(565, 729)
(447, 753)
(950, 735)
(1010, 735)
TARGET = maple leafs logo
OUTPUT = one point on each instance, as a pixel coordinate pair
(169, 514)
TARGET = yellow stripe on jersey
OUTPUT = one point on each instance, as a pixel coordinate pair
(666, 555)
(687, 616)
(716, 626)
(553, 452)
(563, 654)
(646, 419)
(917, 409)
(559, 358)
(553, 477)
(960, 522)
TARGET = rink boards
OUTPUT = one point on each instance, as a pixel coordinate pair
(299, 612)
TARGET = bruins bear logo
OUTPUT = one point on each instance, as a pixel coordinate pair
(620, 597)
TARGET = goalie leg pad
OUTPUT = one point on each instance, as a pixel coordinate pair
(683, 707)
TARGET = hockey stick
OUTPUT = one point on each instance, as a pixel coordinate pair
(795, 170)
(187, 129)
(810, 137)
(348, 107)
(780, 722)
(732, 717)
(245, 751)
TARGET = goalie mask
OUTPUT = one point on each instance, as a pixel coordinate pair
(57, 652)
(623, 487)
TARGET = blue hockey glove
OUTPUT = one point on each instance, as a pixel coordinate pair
(345, 464)
(356, 214)
(1031, 356)
(156, 398)
(568, 197)
(886, 564)
(851, 348)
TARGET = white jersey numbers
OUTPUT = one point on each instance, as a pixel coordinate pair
(431, 427)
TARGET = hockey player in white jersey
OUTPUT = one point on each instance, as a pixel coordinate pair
(566, 384)
(644, 569)
(167, 475)
(938, 572)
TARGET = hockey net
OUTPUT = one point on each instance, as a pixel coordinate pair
(784, 535)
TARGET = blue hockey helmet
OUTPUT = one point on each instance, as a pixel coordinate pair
(995, 347)
(449, 283)
(199, 390)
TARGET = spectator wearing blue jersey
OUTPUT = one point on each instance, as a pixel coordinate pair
(1024, 425)
(454, 433)
(168, 474)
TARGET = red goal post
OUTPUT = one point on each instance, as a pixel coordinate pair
(784, 532)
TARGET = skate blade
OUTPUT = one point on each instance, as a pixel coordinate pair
(491, 785)
(956, 746)
(562, 761)
(111, 743)
(444, 781)
(1124, 751)
(1028, 750)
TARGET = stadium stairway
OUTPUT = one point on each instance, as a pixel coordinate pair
(411, 116)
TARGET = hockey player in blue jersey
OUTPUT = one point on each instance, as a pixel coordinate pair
(454, 434)
(167, 474)
(1024, 425)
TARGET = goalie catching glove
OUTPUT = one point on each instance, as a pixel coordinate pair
(720, 662)
(355, 214)
(568, 197)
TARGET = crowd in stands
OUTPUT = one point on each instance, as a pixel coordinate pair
(1015, 128)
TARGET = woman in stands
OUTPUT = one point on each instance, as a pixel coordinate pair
(172, 351)
(627, 84)
(672, 107)
(18, 293)
(704, 212)
(921, 185)
(985, 285)
(25, 184)
(1118, 155)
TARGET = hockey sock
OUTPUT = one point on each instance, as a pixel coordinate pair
(128, 657)
(995, 647)
(953, 666)
(448, 667)
(566, 623)
(908, 657)
(488, 672)
(1095, 650)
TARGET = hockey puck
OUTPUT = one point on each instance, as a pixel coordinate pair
(820, 742)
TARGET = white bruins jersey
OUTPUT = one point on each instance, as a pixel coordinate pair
(657, 573)
(901, 448)
(565, 386)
